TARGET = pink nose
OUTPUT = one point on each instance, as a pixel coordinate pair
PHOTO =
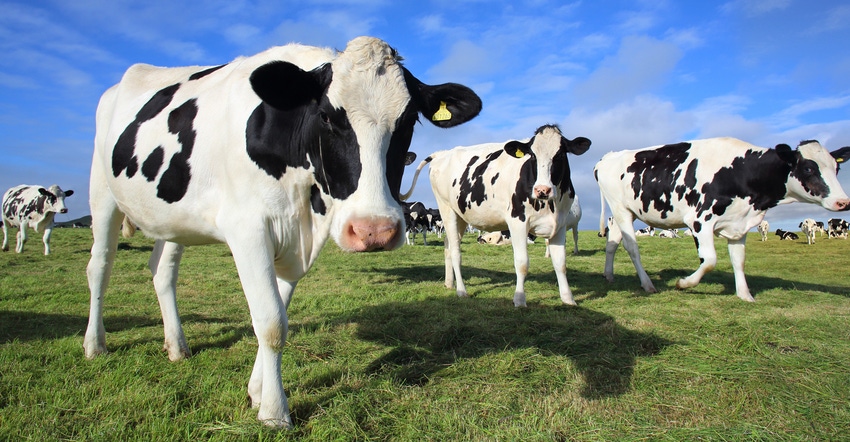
(842, 205)
(542, 192)
(369, 234)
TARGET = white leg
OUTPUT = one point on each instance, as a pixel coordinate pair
(46, 239)
(520, 248)
(611, 246)
(164, 264)
(22, 238)
(106, 220)
(627, 231)
(254, 263)
(455, 227)
(558, 252)
(5, 247)
(707, 257)
(737, 254)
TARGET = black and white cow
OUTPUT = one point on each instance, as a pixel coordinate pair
(717, 186)
(416, 220)
(522, 186)
(837, 228)
(809, 226)
(270, 154)
(32, 206)
(786, 235)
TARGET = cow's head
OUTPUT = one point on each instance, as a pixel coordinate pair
(356, 115)
(54, 199)
(813, 174)
(548, 160)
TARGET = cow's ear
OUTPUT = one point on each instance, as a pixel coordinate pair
(444, 105)
(285, 86)
(577, 146)
(409, 158)
(44, 191)
(786, 154)
(841, 155)
(68, 193)
(518, 149)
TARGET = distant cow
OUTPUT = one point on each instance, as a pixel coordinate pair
(495, 238)
(820, 228)
(32, 206)
(668, 233)
(271, 154)
(837, 228)
(417, 220)
(717, 186)
(523, 186)
(646, 231)
(790, 236)
(764, 229)
(808, 227)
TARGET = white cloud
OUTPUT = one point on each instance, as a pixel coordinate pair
(754, 8)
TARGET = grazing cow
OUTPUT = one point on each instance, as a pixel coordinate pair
(717, 186)
(808, 227)
(763, 229)
(790, 236)
(416, 219)
(837, 228)
(523, 186)
(270, 154)
(32, 206)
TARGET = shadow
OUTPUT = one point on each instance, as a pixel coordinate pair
(667, 278)
(428, 273)
(128, 246)
(427, 336)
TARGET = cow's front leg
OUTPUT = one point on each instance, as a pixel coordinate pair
(611, 244)
(454, 233)
(255, 384)
(558, 252)
(105, 224)
(520, 247)
(22, 238)
(164, 264)
(707, 257)
(45, 239)
(253, 257)
(737, 254)
(5, 235)
(630, 244)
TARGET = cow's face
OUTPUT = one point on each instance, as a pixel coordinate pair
(548, 151)
(54, 199)
(356, 115)
(813, 174)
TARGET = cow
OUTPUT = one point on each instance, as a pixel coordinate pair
(809, 227)
(520, 185)
(837, 228)
(495, 238)
(646, 231)
(763, 229)
(785, 235)
(416, 219)
(820, 228)
(720, 186)
(668, 233)
(573, 217)
(32, 206)
(271, 154)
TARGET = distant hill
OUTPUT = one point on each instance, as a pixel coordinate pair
(79, 222)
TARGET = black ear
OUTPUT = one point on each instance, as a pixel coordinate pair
(285, 86)
(44, 191)
(409, 158)
(444, 105)
(786, 154)
(68, 193)
(518, 149)
(841, 155)
(577, 146)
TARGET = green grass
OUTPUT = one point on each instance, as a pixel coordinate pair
(380, 349)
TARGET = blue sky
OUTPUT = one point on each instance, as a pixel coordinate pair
(626, 74)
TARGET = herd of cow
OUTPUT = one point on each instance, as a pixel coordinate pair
(275, 153)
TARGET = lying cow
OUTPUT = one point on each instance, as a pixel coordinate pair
(522, 186)
(809, 227)
(32, 206)
(763, 229)
(717, 186)
(495, 238)
(668, 233)
(270, 154)
(785, 235)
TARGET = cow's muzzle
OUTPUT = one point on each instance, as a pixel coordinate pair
(371, 234)
(542, 192)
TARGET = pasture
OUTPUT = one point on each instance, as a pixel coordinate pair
(379, 349)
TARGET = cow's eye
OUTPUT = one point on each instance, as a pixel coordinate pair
(325, 118)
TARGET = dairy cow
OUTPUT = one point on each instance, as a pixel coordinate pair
(786, 235)
(837, 228)
(32, 206)
(717, 186)
(270, 154)
(808, 226)
(763, 229)
(522, 186)
(416, 220)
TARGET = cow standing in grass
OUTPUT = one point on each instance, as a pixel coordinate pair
(719, 186)
(32, 206)
(764, 229)
(271, 154)
(809, 227)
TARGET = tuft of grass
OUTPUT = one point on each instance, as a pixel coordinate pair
(380, 349)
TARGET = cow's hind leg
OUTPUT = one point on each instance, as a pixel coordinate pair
(737, 254)
(455, 227)
(5, 235)
(164, 264)
(704, 241)
(22, 238)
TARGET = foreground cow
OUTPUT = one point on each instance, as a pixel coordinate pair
(522, 186)
(764, 229)
(32, 206)
(270, 154)
(717, 186)
(809, 227)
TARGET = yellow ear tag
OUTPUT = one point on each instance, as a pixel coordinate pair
(519, 154)
(840, 160)
(442, 113)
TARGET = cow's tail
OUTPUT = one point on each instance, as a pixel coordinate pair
(128, 229)
(421, 165)
(601, 213)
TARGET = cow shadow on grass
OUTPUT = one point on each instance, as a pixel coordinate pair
(667, 278)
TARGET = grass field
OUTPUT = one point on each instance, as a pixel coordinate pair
(379, 349)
